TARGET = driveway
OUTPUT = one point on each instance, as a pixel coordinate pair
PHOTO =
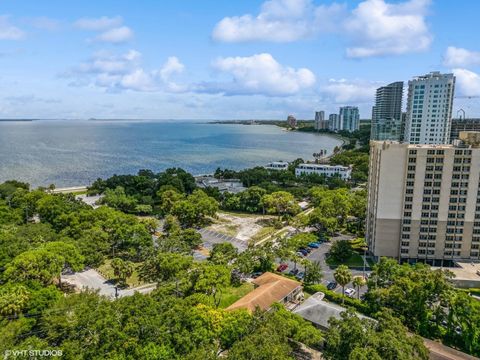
(91, 279)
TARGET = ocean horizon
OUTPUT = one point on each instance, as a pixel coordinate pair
(77, 152)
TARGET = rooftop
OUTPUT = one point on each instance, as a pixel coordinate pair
(270, 288)
(318, 312)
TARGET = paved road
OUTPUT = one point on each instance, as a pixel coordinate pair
(212, 237)
(91, 279)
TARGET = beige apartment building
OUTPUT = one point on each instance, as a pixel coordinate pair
(424, 201)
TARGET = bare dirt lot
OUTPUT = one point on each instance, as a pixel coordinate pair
(240, 226)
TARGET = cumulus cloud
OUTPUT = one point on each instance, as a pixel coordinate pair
(116, 35)
(278, 21)
(9, 31)
(344, 91)
(97, 24)
(378, 28)
(373, 28)
(459, 57)
(258, 74)
(116, 73)
(468, 82)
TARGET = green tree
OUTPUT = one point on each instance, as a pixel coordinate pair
(163, 267)
(353, 338)
(122, 269)
(358, 282)
(313, 272)
(343, 276)
(341, 250)
(13, 299)
(281, 203)
(223, 253)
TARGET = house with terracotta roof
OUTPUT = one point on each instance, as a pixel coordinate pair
(269, 289)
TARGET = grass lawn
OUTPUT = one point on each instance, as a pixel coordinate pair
(354, 261)
(232, 294)
(107, 272)
(239, 214)
(263, 233)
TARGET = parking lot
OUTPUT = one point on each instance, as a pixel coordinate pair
(327, 272)
(210, 238)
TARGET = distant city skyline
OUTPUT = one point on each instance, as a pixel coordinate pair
(233, 60)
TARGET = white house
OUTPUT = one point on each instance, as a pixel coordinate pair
(344, 172)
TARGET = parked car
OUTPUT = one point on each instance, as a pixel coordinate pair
(332, 285)
(300, 253)
(303, 251)
(314, 245)
(293, 272)
(300, 275)
(256, 274)
(282, 267)
(350, 292)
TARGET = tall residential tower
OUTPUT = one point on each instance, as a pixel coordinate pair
(424, 201)
(429, 109)
(349, 118)
(387, 113)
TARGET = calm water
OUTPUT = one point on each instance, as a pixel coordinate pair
(70, 153)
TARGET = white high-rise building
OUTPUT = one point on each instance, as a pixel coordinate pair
(429, 109)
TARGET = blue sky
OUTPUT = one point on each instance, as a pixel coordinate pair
(210, 59)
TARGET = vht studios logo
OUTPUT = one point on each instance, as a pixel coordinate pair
(32, 354)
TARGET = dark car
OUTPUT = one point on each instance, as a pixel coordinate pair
(293, 272)
(256, 274)
(331, 285)
(300, 275)
(282, 267)
(314, 245)
(303, 252)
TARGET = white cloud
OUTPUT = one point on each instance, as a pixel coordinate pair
(278, 21)
(467, 82)
(373, 28)
(258, 74)
(344, 91)
(116, 35)
(172, 67)
(9, 31)
(378, 28)
(459, 57)
(116, 73)
(97, 24)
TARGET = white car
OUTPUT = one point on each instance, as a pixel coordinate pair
(350, 292)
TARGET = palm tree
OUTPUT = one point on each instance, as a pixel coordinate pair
(343, 276)
(358, 281)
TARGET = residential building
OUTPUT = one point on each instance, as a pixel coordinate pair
(277, 165)
(387, 113)
(429, 109)
(423, 202)
(320, 122)
(269, 289)
(344, 172)
(292, 121)
(462, 124)
(349, 118)
(334, 122)
(318, 311)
